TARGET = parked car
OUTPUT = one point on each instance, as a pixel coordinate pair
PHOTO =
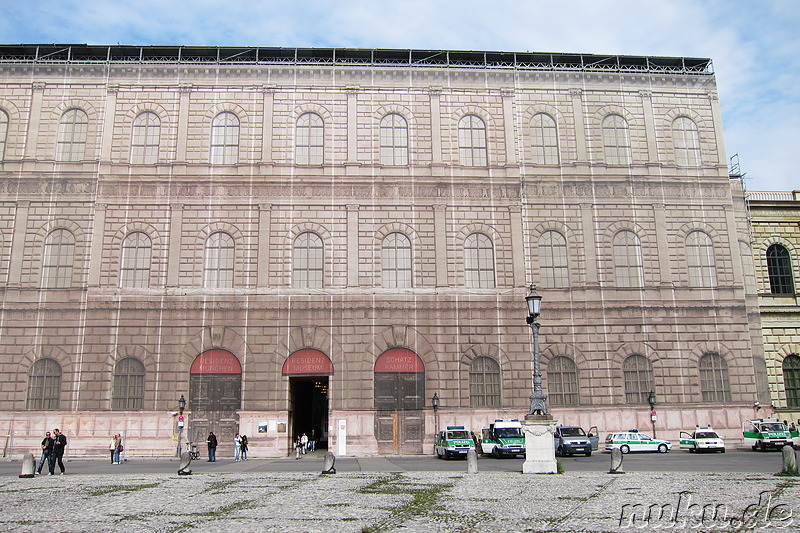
(633, 441)
(503, 438)
(765, 433)
(702, 439)
(569, 440)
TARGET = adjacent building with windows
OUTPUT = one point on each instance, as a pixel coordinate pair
(775, 220)
(324, 239)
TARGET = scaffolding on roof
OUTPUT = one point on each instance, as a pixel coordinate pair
(129, 54)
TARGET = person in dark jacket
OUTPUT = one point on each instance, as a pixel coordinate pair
(212, 447)
(59, 445)
(47, 450)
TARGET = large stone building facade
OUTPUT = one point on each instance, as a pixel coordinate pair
(775, 220)
(325, 239)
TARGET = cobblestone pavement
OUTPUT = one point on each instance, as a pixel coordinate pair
(400, 501)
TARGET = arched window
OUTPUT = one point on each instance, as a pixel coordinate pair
(308, 261)
(128, 390)
(562, 381)
(219, 260)
(3, 134)
(396, 261)
(134, 270)
(394, 140)
(58, 258)
(44, 385)
(779, 268)
(791, 380)
(73, 129)
(544, 139)
(309, 140)
(225, 139)
(478, 262)
(616, 140)
(472, 141)
(686, 141)
(714, 384)
(700, 260)
(638, 377)
(628, 268)
(145, 139)
(553, 260)
(484, 382)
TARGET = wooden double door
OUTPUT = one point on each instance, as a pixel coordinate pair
(399, 413)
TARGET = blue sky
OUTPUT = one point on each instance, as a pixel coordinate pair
(755, 44)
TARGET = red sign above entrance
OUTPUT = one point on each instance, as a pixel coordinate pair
(308, 362)
(399, 360)
(216, 362)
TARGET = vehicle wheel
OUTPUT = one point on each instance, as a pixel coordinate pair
(589, 453)
(761, 446)
(446, 454)
(560, 452)
(753, 447)
(723, 450)
(662, 448)
(624, 448)
(495, 453)
(692, 450)
(439, 455)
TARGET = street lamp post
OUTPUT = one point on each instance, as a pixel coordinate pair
(651, 399)
(539, 426)
(181, 407)
(435, 403)
(538, 398)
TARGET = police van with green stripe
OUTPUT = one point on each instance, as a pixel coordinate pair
(765, 433)
(455, 441)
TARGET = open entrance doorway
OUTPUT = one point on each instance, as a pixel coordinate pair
(308, 371)
(309, 407)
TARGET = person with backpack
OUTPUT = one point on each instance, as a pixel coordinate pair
(47, 451)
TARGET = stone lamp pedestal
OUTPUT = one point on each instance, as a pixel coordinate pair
(540, 454)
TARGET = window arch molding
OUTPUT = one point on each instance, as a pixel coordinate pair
(166, 149)
(492, 147)
(394, 109)
(761, 266)
(645, 240)
(238, 247)
(91, 149)
(79, 262)
(635, 125)
(498, 248)
(557, 116)
(778, 365)
(56, 353)
(11, 143)
(627, 350)
(696, 354)
(575, 260)
(377, 249)
(491, 351)
(681, 236)
(401, 336)
(550, 352)
(157, 256)
(327, 258)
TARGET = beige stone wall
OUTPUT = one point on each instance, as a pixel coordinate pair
(352, 201)
(776, 220)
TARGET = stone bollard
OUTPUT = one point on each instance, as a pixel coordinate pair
(186, 460)
(789, 461)
(28, 465)
(328, 464)
(472, 462)
(616, 462)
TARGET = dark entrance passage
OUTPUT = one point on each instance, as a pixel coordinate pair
(308, 372)
(309, 407)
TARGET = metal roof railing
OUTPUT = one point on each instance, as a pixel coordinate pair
(83, 53)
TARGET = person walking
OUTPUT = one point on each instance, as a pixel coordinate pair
(312, 440)
(59, 445)
(244, 447)
(237, 444)
(211, 441)
(297, 446)
(47, 450)
(304, 442)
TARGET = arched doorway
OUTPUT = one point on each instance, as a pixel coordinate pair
(399, 401)
(308, 371)
(215, 397)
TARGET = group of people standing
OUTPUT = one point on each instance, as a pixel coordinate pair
(53, 451)
(303, 443)
(115, 447)
(240, 444)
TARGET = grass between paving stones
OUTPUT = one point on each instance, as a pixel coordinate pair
(102, 491)
(424, 499)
